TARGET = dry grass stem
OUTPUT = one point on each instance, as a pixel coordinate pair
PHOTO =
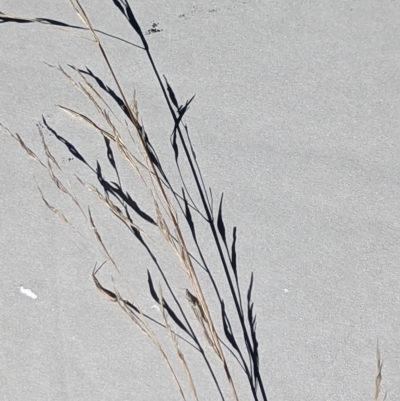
(378, 379)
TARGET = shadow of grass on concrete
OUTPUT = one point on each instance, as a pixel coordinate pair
(175, 214)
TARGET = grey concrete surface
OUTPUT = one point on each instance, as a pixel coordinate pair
(296, 118)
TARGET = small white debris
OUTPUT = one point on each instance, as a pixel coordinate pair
(27, 292)
(156, 307)
(285, 290)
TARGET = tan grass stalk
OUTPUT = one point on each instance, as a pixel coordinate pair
(141, 322)
(174, 339)
(378, 379)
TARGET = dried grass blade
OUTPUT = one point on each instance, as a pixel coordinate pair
(378, 379)
(70, 79)
(62, 188)
(24, 146)
(87, 120)
(47, 150)
(97, 234)
(200, 316)
(179, 352)
(107, 293)
(54, 210)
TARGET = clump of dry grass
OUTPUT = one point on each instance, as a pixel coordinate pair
(171, 208)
